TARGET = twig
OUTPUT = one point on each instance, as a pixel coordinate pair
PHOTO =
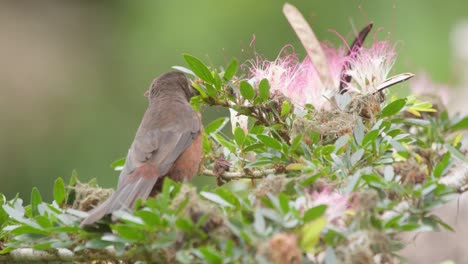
(60, 255)
(235, 175)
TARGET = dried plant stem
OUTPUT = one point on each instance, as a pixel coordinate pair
(235, 175)
(59, 255)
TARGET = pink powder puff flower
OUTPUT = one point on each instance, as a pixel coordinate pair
(370, 67)
(337, 204)
(300, 82)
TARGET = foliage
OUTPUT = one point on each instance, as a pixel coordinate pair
(317, 190)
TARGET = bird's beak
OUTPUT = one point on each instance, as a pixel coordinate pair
(146, 94)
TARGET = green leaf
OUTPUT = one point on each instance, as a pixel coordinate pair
(284, 202)
(310, 180)
(462, 124)
(393, 107)
(311, 234)
(201, 90)
(183, 69)
(211, 255)
(184, 224)
(216, 125)
(285, 108)
(359, 131)
(118, 164)
(36, 199)
(129, 233)
(210, 90)
(3, 214)
(455, 152)
(216, 199)
(295, 166)
(228, 196)
(441, 165)
(370, 137)
(253, 147)
(270, 142)
(356, 156)
(199, 68)
(73, 178)
(246, 90)
(239, 135)
(341, 142)
(314, 213)
(231, 70)
(226, 143)
(259, 163)
(264, 90)
(259, 223)
(60, 193)
(97, 244)
(217, 81)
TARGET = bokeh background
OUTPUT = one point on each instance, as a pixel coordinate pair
(73, 73)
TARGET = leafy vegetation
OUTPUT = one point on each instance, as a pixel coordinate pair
(313, 185)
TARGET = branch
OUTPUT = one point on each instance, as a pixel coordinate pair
(28, 255)
(235, 175)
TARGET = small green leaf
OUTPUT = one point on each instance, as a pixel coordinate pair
(60, 193)
(314, 213)
(217, 81)
(456, 153)
(118, 164)
(341, 142)
(462, 124)
(284, 203)
(246, 90)
(210, 255)
(285, 108)
(259, 163)
(253, 147)
(184, 224)
(3, 214)
(259, 223)
(264, 90)
(73, 179)
(228, 196)
(295, 166)
(239, 135)
(359, 131)
(231, 70)
(393, 107)
(216, 125)
(270, 142)
(441, 165)
(311, 234)
(216, 199)
(199, 68)
(36, 199)
(356, 156)
(210, 90)
(370, 137)
(129, 233)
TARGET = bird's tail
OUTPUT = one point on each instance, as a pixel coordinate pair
(138, 185)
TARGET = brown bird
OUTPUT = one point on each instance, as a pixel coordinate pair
(167, 143)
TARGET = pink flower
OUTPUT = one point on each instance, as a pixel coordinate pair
(370, 67)
(300, 82)
(337, 204)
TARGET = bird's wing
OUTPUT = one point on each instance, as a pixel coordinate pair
(151, 155)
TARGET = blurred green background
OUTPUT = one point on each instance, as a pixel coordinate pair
(73, 73)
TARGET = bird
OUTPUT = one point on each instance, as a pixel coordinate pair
(168, 143)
